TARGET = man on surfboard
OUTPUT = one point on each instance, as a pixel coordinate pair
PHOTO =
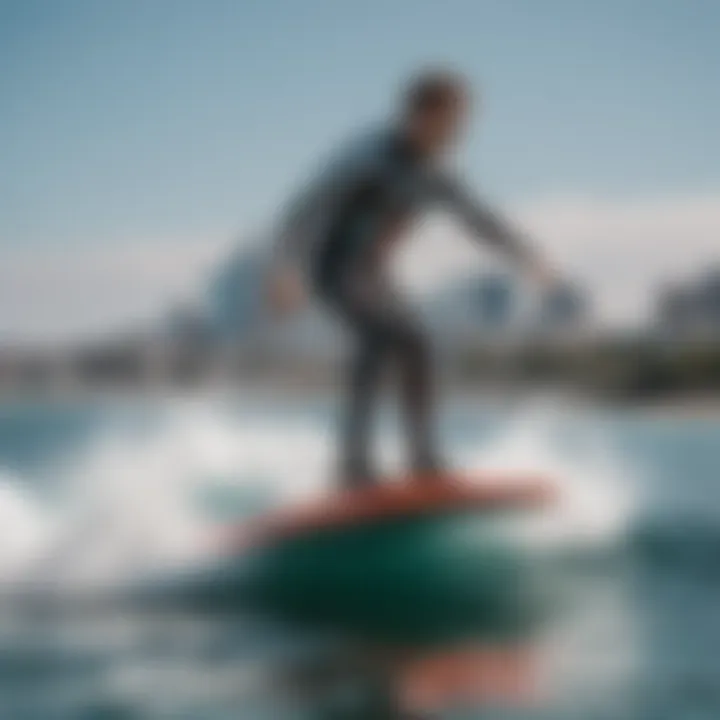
(334, 240)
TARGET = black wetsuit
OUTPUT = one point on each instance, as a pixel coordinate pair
(339, 231)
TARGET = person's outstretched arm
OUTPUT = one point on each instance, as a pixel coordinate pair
(488, 225)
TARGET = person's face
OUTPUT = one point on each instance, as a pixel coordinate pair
(437, 130)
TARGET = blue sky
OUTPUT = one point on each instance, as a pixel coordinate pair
(126, 119)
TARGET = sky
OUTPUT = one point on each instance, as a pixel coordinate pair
(139, 139)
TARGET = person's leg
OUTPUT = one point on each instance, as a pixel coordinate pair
(359, 301)
(363, 382)
(417, 398)
(386, 329)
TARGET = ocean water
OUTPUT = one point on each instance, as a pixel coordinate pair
(97, 496)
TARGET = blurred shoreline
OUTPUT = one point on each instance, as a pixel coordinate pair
(679, 405)
(671, 375)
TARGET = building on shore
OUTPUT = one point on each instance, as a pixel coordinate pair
(691, 310)
(565, 312)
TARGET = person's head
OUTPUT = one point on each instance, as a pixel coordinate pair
(434, 107)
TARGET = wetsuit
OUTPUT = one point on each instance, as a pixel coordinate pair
(338, 231)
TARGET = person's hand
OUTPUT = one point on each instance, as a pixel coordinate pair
(542, 275)
(285, 290)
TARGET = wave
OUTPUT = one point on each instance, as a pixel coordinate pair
(138, 503)
(25, 528)
(133, 502)
(597, 498)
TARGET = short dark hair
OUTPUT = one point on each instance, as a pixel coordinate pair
(433, 89)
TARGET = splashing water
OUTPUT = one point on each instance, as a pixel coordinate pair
(137, 503)
(595, 502)
(24, 528)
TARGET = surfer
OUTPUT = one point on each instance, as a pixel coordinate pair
(334, 240)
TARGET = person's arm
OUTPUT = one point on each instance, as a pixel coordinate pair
(293, 235)
(486, 224)
(294, 240)
(303, 222)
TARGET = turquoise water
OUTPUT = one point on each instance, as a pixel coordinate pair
(99, 496)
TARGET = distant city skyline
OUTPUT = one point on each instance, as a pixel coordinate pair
(140, 140)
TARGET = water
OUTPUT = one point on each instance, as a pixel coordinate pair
(100, 495)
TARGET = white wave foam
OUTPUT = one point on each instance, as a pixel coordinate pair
(136, 502)
(25, 528)
(596, 499)
(133, 502)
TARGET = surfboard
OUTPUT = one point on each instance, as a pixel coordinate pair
(399, 499)
(414, 559)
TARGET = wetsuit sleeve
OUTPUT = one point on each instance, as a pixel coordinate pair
(483, 221)
(304, 220)
(295, 234)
